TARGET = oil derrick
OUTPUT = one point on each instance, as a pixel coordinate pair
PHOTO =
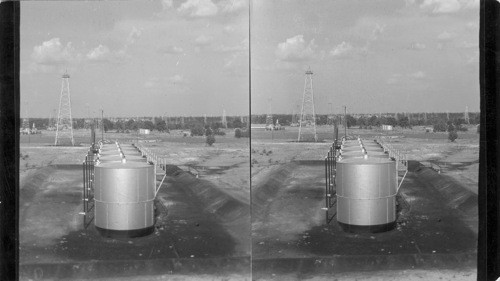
(224, 121)
(269, 117)
(53, 120)
(64, 127)
(307, 121)
(466, 115)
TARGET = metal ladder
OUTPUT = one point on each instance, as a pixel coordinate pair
(88, 189)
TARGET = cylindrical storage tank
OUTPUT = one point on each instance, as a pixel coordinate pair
(109, 153)
(109, 159)
(377, 154)
(372, 144)
(136, 158)
(124, 195)
(130, 151)
(350, 142)
(366, 194)
(127, 146)
(351, 148)
(352, 154)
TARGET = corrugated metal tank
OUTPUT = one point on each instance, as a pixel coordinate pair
(366, 194)
(124, 198)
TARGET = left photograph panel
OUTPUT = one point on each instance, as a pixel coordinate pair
(134, 147)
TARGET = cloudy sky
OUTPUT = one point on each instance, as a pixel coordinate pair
(136, 58)
(372, 56)
(190, 57)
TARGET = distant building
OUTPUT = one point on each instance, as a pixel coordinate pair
(387, 127)
(144, 131)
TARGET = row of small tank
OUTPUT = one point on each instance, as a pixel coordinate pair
(124, 191)
(366, 187)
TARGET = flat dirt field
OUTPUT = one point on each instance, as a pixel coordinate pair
(193, 238)
(206, 225)
(288, 228)
(458, 159)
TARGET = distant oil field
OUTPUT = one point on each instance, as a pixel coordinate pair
(204, 213)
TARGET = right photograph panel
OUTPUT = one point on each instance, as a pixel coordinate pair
(365, 139)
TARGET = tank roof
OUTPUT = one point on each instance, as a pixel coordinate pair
(127, 165)
(363, 161)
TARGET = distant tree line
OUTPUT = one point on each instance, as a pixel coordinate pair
(123, 125)
(366, 121)
(439, 121)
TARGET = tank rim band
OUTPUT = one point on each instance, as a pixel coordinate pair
(353, 228)
(130, 233)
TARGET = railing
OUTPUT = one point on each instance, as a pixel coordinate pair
(156, 160)
(397, 155)
(330, 183)
(88, 189)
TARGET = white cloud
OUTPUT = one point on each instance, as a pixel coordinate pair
(203, 40)
(417, 46)
(474, 59)
(100, 53)
(471, 4)
(133, 35)
(233, 6)
(237, 64)
(467, 44)
(397, 77)
(446, 36)
(241, 47)
(448, 6)
(417, 75)
(152, 83)
(295, 49)
(441, 6)
(198, 8)
(341, 50)
(229, 28)
(376, 31)
(177, 79)
(52, 52)
(166, 4)
(171, 50)
(473, 25)
(394, 79)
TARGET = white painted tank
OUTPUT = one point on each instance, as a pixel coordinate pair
(124, 199)
(366, 194)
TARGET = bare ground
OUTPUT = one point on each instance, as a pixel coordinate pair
(459, 159)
